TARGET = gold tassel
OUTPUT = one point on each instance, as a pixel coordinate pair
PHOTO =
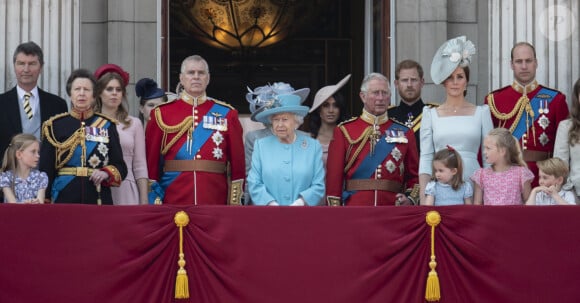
(432, 291)
(181, 282)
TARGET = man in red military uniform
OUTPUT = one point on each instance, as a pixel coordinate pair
(194, 144)
(529, 110)
(372, 160)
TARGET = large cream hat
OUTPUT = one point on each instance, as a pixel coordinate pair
(326, 92)
(453, 53)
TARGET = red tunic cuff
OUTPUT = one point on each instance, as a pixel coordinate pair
(114, 176)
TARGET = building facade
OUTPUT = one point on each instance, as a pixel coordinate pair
(132, 34)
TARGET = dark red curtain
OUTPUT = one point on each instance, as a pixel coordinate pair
(82, 253)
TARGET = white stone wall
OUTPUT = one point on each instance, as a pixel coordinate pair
(552, 26)
(90, 33)
(54, 26)
(126, 33)
(421, 28)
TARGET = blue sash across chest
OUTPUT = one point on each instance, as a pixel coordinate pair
(535, 103)
(200, 135)
(369, 164)
(60, 182)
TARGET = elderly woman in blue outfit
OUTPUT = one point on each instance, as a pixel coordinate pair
(287, 167)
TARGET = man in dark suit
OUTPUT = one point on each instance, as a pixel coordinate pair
(25, 107)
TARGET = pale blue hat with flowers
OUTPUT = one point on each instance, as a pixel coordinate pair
(267, 95)
(282, 104)
(452, 54)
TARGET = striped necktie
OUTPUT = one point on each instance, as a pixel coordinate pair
(27, 107)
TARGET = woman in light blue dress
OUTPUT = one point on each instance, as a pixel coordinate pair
(456, 122)
(287, 167)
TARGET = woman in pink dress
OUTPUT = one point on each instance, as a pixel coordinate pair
(111, 94)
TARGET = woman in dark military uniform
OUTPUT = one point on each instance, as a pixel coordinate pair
(80, 152)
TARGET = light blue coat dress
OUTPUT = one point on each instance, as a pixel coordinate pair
(285, 172)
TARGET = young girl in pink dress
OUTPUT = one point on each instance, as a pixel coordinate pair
(508, 180)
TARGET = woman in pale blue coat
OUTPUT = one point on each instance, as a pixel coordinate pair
(287, 167)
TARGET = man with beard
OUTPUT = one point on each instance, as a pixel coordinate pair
(409, 82)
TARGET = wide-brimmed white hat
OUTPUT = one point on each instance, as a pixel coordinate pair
(453, 53)
(282, 104)
(264, 95)
(326, 92)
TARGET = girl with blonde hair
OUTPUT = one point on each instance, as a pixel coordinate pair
(20, 181)
(508, 180)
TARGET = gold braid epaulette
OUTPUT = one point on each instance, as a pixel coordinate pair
(347, 121)
(113, 120)
(222, 103)
(63, 149)
(180, 129)
(522, 104)
(364, 137)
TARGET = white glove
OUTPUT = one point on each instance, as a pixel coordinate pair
(273, 203)
(298, 202)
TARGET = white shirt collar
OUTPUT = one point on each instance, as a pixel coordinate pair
(21, 93)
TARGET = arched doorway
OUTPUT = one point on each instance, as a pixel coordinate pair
(325, 49)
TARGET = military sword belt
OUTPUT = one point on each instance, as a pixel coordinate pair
(534, 155)
(373, 184)
(76, 171)
(195, 165)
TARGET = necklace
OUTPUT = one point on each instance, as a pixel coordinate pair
(452, 108)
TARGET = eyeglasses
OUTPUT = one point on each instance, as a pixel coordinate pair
(379, 93)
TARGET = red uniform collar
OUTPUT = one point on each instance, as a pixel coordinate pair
(525, 89)
(374, 120)
(82, 115)
(193, 100)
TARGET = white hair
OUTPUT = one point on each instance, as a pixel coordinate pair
(299, 119)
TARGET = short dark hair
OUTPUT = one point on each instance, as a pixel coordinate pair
(30, 49)
(81, 73)
(408, 64)
(522, 44)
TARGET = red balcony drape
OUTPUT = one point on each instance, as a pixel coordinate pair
(82, 253)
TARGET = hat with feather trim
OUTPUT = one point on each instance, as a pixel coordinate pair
(282, 104)
(267, 95)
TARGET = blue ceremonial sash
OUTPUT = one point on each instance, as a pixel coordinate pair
(156, 192)
(200, 135)
(61, 182)
(521, 128)
(370, 163)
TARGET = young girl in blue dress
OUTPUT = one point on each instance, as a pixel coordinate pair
(20, 181)
(447, 186)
